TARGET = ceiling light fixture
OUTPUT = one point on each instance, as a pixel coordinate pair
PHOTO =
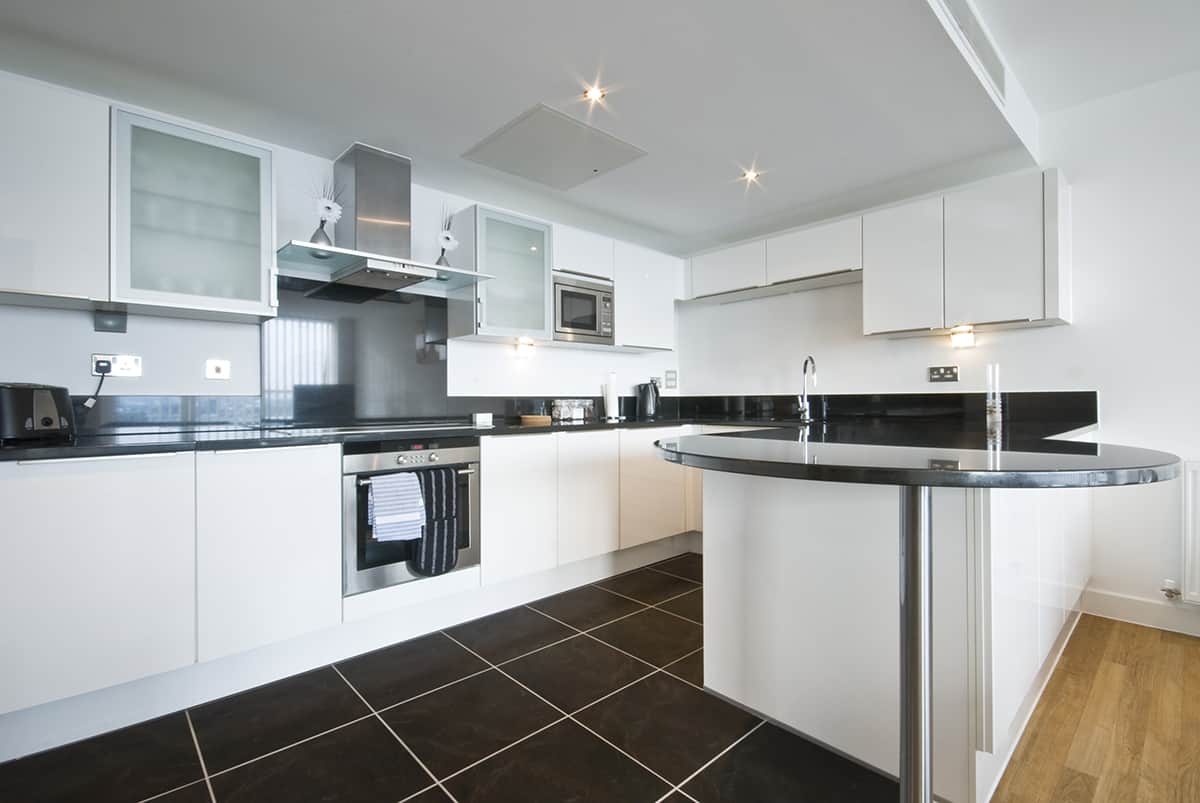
(750, 175)
(594, 93)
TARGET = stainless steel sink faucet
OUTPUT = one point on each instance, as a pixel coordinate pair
(805, 412)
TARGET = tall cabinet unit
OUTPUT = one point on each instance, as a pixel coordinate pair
(55, 182)
(517, 251)
(97, 573)
(193, 223)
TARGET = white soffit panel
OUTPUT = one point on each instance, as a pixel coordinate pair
(552, 148)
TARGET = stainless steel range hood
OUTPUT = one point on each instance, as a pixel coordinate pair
(373, 236)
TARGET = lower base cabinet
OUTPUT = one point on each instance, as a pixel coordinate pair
(653, 491)
(97, 573)
(268, 530)
(518, 494)
(589, 507)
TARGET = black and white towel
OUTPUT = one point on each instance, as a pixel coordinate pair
(437, 551)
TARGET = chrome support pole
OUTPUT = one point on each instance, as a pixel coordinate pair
(916, 654)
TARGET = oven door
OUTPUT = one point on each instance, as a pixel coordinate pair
(368, 564)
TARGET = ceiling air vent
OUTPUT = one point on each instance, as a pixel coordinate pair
(972, 30)
(552, 148)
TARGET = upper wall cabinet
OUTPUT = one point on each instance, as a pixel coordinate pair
(517, 252)
(193, 219)
(994, 267)
(902, 267)
(582, 252)
(54, 207)
(735, 268)
(815, 251)
(647, 283)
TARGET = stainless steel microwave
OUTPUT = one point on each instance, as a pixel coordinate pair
(583, 309)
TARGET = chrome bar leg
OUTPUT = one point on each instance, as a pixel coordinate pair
(916, 655)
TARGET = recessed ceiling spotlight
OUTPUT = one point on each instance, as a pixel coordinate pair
(750, 175)
(594, 93)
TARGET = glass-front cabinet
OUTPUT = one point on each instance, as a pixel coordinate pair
(516, 251)
(193, 219)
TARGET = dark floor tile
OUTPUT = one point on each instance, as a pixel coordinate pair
(577, 672)
(404, 670)
(689, 606)
(647, 586)
(586, 607)
(510, 633)
(127, 764)
(195, 793)
(452, 727)
(678, 797)
(432, 795)
(360, 763)
(669, 726)
(772, 765)
(653, 636)
(689, 565)
(247, 725)
(690, 669)
(562, 763)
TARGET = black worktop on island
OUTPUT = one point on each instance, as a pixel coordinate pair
(947, 459)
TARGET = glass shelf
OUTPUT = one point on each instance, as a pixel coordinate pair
(335, 263)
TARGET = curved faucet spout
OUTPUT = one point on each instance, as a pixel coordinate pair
(805, 411)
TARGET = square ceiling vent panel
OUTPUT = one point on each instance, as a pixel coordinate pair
(552, 148)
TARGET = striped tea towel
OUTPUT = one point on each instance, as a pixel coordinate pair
(396, 507)
(437, 552)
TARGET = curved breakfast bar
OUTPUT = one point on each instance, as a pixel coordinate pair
(916, 470)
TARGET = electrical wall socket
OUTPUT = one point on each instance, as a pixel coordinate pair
(943, 373)
(216, 369)
(123, 365)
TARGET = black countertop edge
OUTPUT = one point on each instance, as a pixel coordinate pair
(948, 430)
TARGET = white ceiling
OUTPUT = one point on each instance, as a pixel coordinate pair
(1066, 52)
(831, 98)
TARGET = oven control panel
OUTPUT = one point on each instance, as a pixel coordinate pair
(416, 458)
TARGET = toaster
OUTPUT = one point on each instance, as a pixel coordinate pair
(30, 412)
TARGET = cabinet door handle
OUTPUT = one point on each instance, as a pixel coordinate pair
(57, 461)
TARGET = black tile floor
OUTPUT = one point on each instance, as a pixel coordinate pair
(590, 695)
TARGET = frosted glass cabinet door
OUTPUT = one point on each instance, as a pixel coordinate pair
(192, 218)
(517, 252)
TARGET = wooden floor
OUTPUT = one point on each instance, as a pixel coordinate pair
(1119, 722)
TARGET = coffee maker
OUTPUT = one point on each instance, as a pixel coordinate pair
(647, 401)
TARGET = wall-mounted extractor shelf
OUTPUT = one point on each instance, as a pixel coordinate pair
(331, 264)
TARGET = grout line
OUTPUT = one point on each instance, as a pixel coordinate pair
(648, 604)
(203, 767)
(572, 719)
(615, 691)
(419, 793)
(588, 633)
(383, 722)
(161, 795)
(390, 706)
(293, 744)
(679, 787)
(506, 747)
(676, 615)
(672, 574)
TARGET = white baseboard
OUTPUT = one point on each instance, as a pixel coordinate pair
(1179, 617)
(62, 721)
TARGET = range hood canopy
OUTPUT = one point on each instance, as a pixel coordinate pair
(373, 236)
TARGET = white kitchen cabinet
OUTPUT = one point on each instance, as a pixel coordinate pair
(582, 252)
(268, 545)
(518, 302)
(193, 219)
(519, 505)
(993, 250)
(588, 494)
(735, 268)
(647, 284)
(97, 573)
(54, 207)
(825, 248)
(653, 491)
(902, 267)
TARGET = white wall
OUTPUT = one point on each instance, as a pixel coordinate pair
(1133, 160)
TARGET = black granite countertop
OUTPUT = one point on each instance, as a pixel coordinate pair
(946, 458)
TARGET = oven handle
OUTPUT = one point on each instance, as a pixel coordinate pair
(367, 481)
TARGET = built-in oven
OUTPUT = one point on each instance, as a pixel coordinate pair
(583, 309)
(369, 564)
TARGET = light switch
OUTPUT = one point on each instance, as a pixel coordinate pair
(216, 369)
(672, 379)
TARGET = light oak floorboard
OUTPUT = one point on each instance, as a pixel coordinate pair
(1119, 722)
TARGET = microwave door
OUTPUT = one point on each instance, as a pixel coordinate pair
(578, 311)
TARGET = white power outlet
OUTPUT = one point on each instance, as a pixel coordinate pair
(123, 365)
(216, 369)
